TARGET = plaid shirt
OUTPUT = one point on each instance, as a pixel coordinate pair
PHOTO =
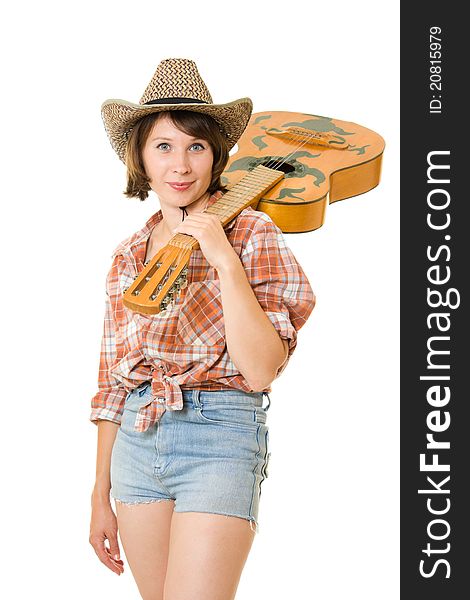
(184, 346)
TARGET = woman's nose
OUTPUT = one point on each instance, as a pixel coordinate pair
(181, 163)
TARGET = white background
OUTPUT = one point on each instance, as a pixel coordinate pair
(329, 508)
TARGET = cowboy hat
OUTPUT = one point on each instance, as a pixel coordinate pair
(175, 85)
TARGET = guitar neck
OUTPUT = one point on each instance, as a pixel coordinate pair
(165, 275)
(246, 192)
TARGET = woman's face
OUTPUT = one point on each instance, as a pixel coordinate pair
(172, 157)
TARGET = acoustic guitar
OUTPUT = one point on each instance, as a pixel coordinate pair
(288, 165)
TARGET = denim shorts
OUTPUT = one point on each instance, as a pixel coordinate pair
(211, 456)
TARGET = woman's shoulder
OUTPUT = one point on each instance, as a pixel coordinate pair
(124, 246)
(250, 220)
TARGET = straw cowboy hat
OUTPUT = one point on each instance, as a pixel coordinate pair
(176, 85)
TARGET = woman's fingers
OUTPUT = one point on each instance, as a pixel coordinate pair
(208, 231)
(201, 220)
(114, 557)
(103, 528)
(114, 547)
(105, 555)
(201, 227)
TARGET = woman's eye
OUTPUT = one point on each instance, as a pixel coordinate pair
(163, 146)
(197, 146)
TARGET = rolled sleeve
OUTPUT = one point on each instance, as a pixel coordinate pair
(108, 403)
(284, 327)
(278, 281)
(108, 406)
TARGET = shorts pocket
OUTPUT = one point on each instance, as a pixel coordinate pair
(242, 416)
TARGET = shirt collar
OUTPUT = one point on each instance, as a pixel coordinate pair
(143, 234)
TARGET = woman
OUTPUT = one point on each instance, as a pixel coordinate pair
(182, 433)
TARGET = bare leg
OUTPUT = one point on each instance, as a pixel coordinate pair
(207, 556)
(144, 530)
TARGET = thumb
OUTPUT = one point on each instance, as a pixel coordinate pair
(114, 547)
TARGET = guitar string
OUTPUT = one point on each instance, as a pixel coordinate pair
(237, 201)
(273, 164)
(308, 137)
(246, 196)
(276, 164)
(242, 197)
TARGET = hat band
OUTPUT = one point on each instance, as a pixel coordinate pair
(176, 101)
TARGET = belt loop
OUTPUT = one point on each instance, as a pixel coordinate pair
(196, 401)
(269, 401)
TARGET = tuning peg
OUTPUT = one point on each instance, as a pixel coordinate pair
(181, 280)
(164, 303)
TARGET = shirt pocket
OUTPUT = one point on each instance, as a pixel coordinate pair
(200, 318)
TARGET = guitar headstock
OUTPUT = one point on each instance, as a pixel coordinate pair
(162, 279)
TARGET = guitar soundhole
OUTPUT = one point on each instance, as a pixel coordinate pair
(277, 163)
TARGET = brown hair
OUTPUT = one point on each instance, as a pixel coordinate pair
(196, 124)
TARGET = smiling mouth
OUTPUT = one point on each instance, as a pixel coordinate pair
(180, 186)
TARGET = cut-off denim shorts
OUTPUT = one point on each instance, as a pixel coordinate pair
(211, 456)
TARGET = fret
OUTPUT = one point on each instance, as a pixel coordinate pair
(244, 193)
(165, 276)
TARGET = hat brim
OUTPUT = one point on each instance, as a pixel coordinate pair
(120, 116)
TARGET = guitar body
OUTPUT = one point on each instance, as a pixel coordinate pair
(323, 160)
(288, 165)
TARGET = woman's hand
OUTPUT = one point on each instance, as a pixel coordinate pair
(103, 527)
(247, 327)
(208, 231)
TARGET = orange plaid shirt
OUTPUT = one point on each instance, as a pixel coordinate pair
(184, 346)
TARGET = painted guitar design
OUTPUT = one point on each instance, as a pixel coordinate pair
(288, 165)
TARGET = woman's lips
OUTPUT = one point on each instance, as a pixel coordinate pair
(180, 187)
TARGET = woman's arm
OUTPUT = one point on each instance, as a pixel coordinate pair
(103, 524)
(108, 403)
(253, 343)
(107, 431)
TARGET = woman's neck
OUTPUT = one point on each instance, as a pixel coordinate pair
(173, 215)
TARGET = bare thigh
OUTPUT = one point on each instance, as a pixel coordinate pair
(207, 556)
(144, 530)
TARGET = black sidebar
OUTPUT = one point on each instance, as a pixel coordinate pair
(435, 238)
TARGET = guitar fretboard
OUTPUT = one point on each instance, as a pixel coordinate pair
(244, 193)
